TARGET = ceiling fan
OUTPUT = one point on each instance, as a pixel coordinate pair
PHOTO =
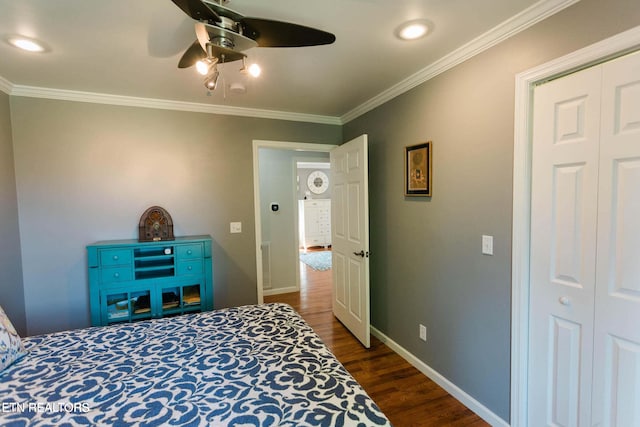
(223, 34)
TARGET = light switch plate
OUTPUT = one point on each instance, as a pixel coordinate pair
(235, 227)
(487, 245)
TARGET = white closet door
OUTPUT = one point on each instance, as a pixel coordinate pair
(563, 249)
(584, 361)
(616, 394)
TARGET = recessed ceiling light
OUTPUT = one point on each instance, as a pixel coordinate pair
(412, 30)
(26, 43)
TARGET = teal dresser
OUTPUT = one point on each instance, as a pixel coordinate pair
(131, 280)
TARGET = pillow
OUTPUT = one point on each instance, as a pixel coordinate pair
(11, 348)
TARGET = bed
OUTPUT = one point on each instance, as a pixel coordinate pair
(256, 365)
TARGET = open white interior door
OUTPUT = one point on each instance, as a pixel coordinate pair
(350, 236)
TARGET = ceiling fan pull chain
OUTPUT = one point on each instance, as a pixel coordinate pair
(224, 86)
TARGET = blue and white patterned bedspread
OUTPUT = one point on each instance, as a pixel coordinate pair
(247, 366)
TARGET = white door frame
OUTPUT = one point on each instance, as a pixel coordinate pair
(280, 145)
(599, 52)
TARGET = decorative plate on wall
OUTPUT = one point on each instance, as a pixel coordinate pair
(318, 182)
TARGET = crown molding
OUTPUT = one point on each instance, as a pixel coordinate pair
(163, 104)
(5, 85)
(525, 19)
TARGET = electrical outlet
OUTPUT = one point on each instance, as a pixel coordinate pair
(235, 227)
(423, 333)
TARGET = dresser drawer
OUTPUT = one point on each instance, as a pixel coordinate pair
(115, 257)
(116, 274)
(189, 251)
(189, 267)
(315, 241)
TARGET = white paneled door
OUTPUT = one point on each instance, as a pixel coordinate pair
(350, 236)
(584, 340)
(563, 245)
(616, 393)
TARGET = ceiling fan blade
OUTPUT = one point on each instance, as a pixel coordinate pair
(268, 33)
(197, 10)
(202, 34)
(192, 55)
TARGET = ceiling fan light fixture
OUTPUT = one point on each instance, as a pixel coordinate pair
(254, 70)
(413, 30)
(211, 81)
(202, 67)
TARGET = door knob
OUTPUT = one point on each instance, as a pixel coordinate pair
(361, 253)
(564, 300)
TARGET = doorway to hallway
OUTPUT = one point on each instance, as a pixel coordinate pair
(276, 194)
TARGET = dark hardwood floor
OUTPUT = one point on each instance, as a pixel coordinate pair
(404, 394)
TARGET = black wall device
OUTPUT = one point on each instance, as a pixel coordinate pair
(275, 207)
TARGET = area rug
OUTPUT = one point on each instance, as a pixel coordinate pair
(320, 261)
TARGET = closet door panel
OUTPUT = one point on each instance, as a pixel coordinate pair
(616, 391)
(563, 248)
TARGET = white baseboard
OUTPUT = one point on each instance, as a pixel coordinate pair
(455, 391)
(278, 291)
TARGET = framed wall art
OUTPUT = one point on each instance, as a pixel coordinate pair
(417, 170)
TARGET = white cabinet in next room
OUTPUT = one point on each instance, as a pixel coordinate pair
(315, 222)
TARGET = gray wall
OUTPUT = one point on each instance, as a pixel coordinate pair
(86, 172)
(11, 290)
(278, 228)
(427, 265)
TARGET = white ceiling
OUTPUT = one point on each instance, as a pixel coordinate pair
(131, 48)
